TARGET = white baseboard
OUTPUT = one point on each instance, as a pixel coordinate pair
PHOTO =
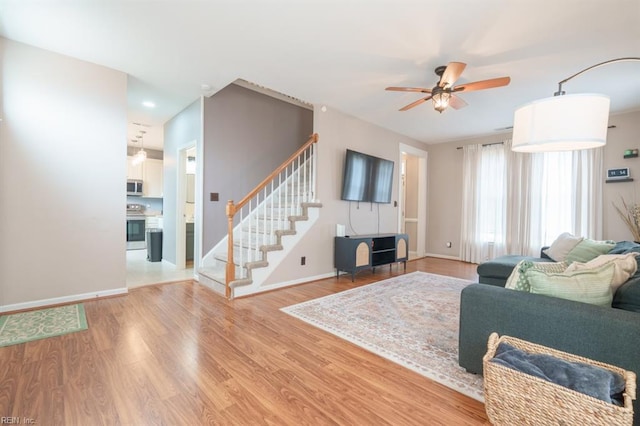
(274, 286)
(63, 299)
(442, 256)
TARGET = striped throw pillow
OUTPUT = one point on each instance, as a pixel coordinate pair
(587, 286)
(518, 279)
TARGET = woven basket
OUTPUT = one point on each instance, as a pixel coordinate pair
(515, 398)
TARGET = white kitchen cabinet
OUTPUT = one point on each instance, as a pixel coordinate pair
(152, 178)
(150, 172)
(134, 171)
(154, 222)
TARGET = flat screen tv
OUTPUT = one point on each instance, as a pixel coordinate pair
(366, 178)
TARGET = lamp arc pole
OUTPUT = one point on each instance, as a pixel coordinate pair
(610, 61)
(564, 122)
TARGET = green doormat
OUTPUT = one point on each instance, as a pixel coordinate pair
(33, 325)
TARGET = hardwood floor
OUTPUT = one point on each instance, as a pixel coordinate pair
(179, 354)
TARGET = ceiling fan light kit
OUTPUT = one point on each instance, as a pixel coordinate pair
(443, 93)
(563, 122)
(441, 101)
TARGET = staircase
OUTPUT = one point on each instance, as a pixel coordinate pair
(264, 226)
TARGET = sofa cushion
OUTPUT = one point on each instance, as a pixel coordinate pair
(561, 247)
(501, 267)
(518, 279)
(628, 296)
(624, 247)
(589, 249)
(625, 265)
(587, 286)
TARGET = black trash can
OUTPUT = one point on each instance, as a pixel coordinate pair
(154, 245)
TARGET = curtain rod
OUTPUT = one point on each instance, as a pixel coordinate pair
(487, 144)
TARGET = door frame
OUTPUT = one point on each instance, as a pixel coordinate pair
(181, 199)
(421, 244)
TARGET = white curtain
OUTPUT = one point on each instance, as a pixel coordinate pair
(470, 245)
(519, 202)
(587, 191)
(516, 203)
(484, 202)
(566, 195)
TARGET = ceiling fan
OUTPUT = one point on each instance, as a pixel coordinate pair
(443, 93)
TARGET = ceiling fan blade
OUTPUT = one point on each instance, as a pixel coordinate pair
(481, 85)
(416, 103)
(456, 103)
(451, 74)
(409, 89)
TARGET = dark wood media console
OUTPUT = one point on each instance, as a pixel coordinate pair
(353, 254)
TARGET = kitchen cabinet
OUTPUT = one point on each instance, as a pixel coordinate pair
(134, 171)
(150, 172)
(152, 178)
(189, 241)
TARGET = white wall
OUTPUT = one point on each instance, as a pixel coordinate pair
(337, 132)
(62, 177)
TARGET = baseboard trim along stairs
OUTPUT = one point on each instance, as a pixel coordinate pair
(269, 222)
(253, 273)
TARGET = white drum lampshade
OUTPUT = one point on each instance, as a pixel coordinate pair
(561, 123)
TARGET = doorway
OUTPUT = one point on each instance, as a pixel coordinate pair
(412, 217)
(186, 207)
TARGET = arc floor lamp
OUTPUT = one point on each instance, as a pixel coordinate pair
(563, 122)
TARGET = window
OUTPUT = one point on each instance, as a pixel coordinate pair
(516, 202)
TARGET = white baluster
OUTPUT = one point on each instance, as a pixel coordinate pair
(313, 171)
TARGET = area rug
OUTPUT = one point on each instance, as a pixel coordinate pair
(33, 325)
(410, 319)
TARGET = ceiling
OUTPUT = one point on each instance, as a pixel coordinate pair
(343, 53)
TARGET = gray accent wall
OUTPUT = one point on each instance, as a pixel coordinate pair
(181, 131)
(246, 136)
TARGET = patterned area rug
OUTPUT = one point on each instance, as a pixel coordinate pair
(33, 325)
(411, 319)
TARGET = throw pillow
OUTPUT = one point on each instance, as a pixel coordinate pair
(624, 266)
(518, 278)
(589, 249)
(559, 249)
(588, 286)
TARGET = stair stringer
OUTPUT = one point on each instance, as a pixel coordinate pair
(260, 275)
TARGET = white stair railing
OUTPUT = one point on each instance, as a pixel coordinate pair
(267, 208)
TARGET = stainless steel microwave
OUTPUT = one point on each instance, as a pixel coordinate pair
(134, 187)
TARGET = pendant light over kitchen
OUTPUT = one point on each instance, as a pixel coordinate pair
(141, 155)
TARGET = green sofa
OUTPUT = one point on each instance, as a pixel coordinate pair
(610, 335)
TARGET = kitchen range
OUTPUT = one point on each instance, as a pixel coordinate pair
(136, 225)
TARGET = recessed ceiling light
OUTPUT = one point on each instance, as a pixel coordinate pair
(149, 104)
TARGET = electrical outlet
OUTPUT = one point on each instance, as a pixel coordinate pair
(303, 260)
